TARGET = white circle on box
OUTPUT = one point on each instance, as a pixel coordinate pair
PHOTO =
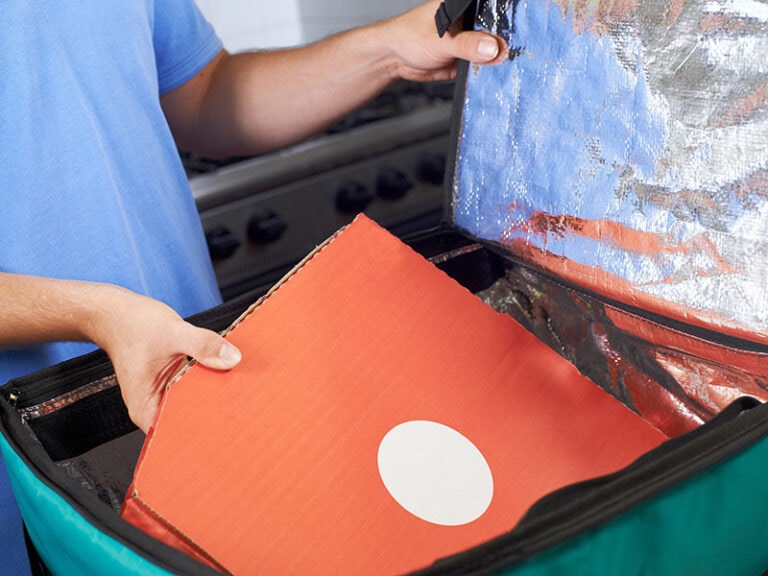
(435, 473)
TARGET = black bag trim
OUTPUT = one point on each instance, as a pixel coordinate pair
(449, 12)
(457, 115)
(581, 507)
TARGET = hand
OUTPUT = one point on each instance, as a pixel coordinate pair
(147, 343)
(225, 110)
(424, 56)
(145, 339)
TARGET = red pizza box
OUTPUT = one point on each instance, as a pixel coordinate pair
(382, 417)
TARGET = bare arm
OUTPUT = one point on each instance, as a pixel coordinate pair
(255, 102)
(145, 339)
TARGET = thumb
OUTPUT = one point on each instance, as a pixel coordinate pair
(478, 47)
(212, 350)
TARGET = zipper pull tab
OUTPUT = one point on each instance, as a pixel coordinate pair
(14, 395)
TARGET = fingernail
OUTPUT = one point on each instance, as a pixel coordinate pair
(229, 354)
(488, 48)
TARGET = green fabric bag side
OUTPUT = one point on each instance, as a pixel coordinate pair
(58, 530)
(715, 523)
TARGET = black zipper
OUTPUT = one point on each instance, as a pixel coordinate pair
(57, 380)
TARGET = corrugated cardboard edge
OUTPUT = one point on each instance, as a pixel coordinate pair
(141, 515)
(280, 283)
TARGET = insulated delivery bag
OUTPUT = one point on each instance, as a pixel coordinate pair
(607, 191)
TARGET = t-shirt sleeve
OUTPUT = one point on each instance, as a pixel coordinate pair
(184, 42)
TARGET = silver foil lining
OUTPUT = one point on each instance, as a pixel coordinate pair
(624, 146)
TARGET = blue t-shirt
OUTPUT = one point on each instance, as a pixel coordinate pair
(91, 186)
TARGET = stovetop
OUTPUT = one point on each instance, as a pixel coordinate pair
(263, 214)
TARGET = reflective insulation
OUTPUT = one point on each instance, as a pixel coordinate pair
(673, 379)
(624, 147)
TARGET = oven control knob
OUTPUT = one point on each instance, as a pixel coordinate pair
(352, 197)
(222, 244)
(431, 169)
(391, 184)
(266, 226)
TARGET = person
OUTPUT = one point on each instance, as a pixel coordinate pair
(101, 243)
